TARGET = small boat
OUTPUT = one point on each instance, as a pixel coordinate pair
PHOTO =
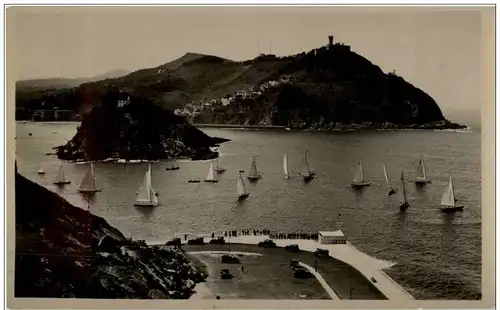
(171, 168)
(359, 178)
(306, 170)
(311, 170)
(61, 178)
(211, 175)
(391, 190)
(285, 167)
(146, 196)
(88, 182)
(448, 202)
(194, 181)
(253, 175)
(41, 171)
(421, 173)
(241, 190)
(404, 201)
(218, 169)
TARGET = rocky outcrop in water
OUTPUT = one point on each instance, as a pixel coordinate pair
(65, 252)
(139, 129)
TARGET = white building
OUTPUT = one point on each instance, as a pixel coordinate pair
(122, 103)
(332, 237)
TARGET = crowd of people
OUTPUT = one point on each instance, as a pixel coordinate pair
(271, 234)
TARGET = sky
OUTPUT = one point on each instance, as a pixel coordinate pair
(438, 50)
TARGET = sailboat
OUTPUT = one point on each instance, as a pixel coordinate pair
(253, 175)
(146, 196)
(306, 170)
(311, 170)
(391, 190)
(88, 182)
(359, 178)
(421, 173)
(448, 202)
(241, 190)
(61, 178)
(41, 171)
(285, 167)
(218, 169)
(404, 201)
(211, 176)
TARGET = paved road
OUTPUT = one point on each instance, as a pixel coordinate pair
(322, 281)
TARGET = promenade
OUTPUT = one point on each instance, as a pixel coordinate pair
(347, 253)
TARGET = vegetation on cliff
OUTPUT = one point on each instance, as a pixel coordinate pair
(137, 130)
(64, 251)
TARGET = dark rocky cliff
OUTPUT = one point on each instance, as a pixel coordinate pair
(64, 251)
(139, 130)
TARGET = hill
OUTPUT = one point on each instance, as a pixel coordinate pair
(135, 129)
(328, 86)
(65, 252)
(56, 83)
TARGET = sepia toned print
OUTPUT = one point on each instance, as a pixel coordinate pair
(324, 154)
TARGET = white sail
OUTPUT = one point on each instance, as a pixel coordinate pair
(60, 178)
(306, 170)
(358, 174)
(253, 169)
(285, 166)
(386, 178)
(146, 194)
(449, 195)
(211, 175)
(308, 164)
(88, 182)
(421, 170)
(403, 188)
(241, 186)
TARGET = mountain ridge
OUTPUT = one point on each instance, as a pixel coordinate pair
(334, 84)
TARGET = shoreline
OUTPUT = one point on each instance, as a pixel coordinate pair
(461, 128)
(346, 128)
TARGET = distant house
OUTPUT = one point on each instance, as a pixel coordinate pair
(122, 103)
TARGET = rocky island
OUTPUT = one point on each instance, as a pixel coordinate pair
(63, 251)
(135, 128)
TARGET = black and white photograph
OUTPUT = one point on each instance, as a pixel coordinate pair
(232, 153)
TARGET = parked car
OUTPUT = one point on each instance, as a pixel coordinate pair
(196, 241)
(292, 248)
(225, 274)
(229, 259)
(322, 253)
(294, 262)
(267, 244)
(219, 240)
(301, 273)
(175, 241)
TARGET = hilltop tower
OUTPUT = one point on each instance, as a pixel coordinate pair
(330, 42)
